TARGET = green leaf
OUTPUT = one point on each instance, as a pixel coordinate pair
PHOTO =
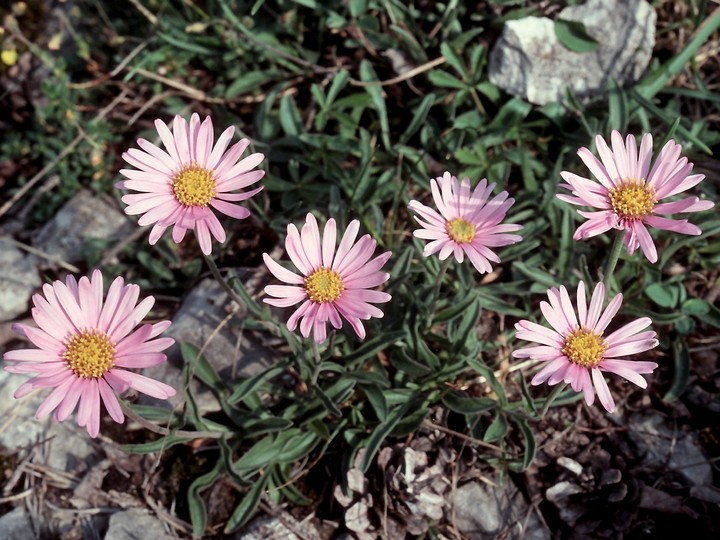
(242, 389)
(246, 508)
(618, 107)
(283, 482)
(497, 430)
(367, 74)
(271, 424)
(339, 82)
(486, 372)
(377, 400)
(411, 423)
(328, 403)
(155, 446)
(201, 367)
(381, 432)
(444, 79)
(453, 59)
(530, 443)
(372, 346)
(247, 82)
(198, 512)
(455, 310)
(670, 119)
(572, 35)
(186, 45)
(467, 324)
(152, 413)
(297, 446)
(695, 306)
(290, 116)
(681, 359)
(375, 378)
(656, 80)
(467, 405)
(663, 295)
(156, 267)
(421, 113)
(535, 274)
(259, 455)
(404, 362)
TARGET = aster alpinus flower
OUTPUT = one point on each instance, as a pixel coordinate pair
(466, 222)
(334, 283)
(182, 185)
(575, 350)
(627, 192)
(87, 344)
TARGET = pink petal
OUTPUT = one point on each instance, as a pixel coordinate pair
(70, 400)
(229, 209)
(282, 273)
(328, 243)
(144, 384)
(602, 390)
(203, 236)
(611, 310)
(294, 248)
(551, 368)
(53, 399)
(220, 147)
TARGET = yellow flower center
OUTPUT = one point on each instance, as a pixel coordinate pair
(90, 353)
(585, 347)
(461, 231)
(324, 285)
(632, 199)
(194, 186)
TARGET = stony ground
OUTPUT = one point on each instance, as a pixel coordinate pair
(631, 474)
(647, 469)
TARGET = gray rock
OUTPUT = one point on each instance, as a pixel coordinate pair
(70, 447)
(483, 512)
(16, 525)
(83, 217)
(18, 281)
(22, 427)
(665, 447)
(233, 353)
(281, 527)
(135, 524)
(67, 446)
(529, 62)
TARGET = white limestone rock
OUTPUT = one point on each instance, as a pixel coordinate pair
(134, 524)
(83, 217)
(232, 353)
(665, 447)
(529, 62)
(483, 512)
(18, 281)
(16, 525)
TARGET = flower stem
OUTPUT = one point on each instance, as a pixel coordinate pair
(224, 284)
(165, 431)
(552, 397)
(318, 362)
(436, 290)
(613, 259)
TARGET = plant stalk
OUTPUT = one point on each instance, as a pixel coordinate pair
(613, 259)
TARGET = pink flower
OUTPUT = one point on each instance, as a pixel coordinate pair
(627, 195)
(336, 282)
(85, 344)
(575, 349)
(179, 187)
(467, 224)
